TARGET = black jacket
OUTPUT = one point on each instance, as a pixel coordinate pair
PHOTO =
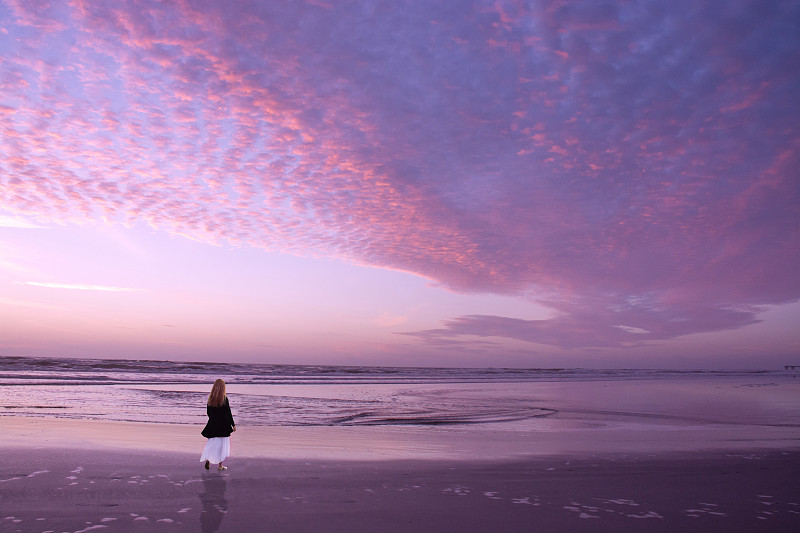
(220, 421)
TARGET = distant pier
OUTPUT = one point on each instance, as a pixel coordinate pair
(792, 367)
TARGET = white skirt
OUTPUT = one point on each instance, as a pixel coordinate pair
(216, 450)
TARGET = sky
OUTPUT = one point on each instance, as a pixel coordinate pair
(413, 183)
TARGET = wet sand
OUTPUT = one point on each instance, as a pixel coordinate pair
(554, 436)
(82, 475)
(81, 490)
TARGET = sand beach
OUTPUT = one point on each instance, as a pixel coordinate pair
(85, 475)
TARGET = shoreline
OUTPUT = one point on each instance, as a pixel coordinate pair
(556, 437)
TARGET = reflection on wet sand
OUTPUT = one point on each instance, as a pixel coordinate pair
(213, 501)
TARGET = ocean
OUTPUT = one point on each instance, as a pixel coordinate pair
(313, 395)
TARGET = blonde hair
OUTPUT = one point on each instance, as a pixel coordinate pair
(217, 396)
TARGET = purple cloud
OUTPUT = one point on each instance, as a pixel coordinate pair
(599, 325)
(584, 155)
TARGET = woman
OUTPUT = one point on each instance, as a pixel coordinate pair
(219, 427)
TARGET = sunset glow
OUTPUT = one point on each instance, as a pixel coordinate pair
(405, 183)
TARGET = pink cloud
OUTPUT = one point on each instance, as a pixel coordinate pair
(570, 149)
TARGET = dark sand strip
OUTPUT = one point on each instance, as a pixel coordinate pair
(88, 490)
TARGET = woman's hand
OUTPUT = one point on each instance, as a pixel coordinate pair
(234, 429)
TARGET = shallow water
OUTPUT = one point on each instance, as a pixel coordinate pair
(275, 395)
